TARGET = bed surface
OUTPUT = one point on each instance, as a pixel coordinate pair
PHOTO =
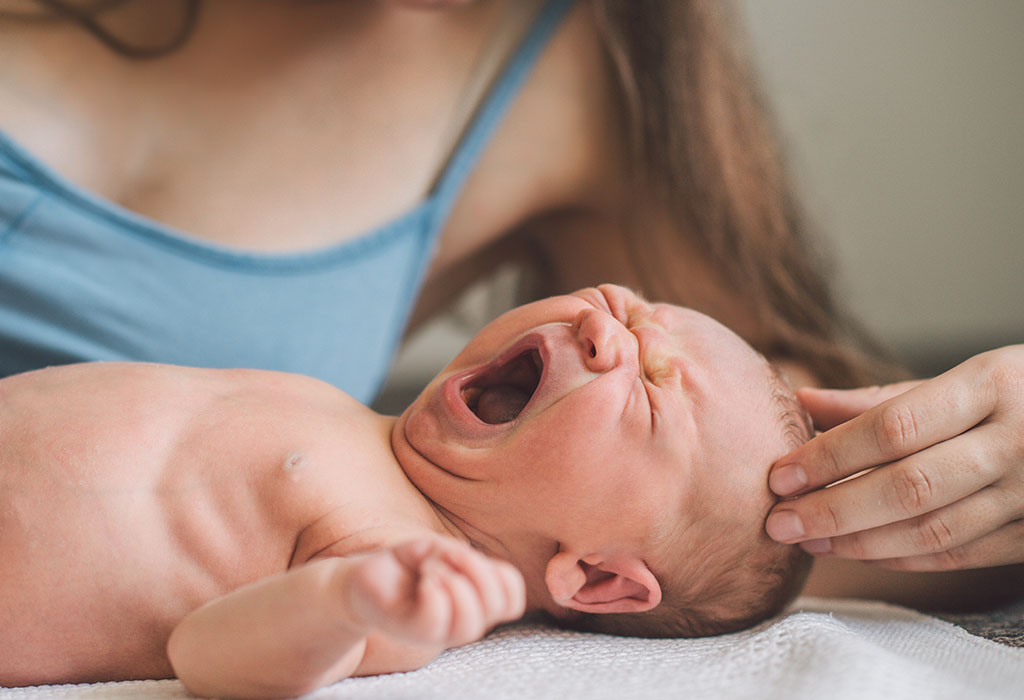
(831, 649)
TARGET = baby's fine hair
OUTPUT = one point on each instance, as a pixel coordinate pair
(730, 583)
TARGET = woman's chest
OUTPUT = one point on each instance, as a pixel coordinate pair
(291, 149)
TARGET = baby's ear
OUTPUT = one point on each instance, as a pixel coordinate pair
(598, 584)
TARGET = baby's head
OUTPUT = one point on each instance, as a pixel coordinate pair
(617, 452)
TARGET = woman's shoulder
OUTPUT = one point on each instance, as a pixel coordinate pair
(560, 147)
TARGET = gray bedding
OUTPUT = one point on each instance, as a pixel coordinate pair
(1004, 625)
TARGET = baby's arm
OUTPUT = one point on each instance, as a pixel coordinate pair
(294, 632)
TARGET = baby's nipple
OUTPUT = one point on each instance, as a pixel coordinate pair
(293, 464)
(502, 403)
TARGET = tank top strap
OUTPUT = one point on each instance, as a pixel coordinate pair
(492, 109)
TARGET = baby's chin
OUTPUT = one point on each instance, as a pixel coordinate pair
(418, 435)
(402, 421)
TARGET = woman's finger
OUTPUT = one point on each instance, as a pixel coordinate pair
(830, 407)
(935, 532)
(918, 484)
(1004, 546)
(931, 412)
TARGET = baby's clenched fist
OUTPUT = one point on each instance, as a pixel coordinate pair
(433, 590)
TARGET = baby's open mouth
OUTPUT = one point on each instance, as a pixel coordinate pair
(500, 392)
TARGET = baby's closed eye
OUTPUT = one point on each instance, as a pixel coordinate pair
(657, 368)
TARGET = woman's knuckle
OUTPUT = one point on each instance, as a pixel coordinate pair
(896, 429)
(982, 465)
(971, 457)
(912, 490)
(1004, 369)
(1007, 376)
(955, 558)
(829, 461)
(933, 535)
(1014, 449)
(854, 545)
(829, 516)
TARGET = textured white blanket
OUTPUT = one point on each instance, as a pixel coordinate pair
(821, 649)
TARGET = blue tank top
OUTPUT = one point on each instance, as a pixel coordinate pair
(84, 279)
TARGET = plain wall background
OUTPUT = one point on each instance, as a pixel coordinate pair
(903, 122)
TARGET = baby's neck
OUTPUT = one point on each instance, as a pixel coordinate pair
(443, 522)
(433, 483)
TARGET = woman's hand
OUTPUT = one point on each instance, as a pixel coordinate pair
(945, 488)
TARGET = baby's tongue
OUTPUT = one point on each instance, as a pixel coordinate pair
(500, 404)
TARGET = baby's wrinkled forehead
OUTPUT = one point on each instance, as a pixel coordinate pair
(700, 335)
(678, 318)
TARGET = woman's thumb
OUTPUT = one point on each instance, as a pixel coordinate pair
(830, 407)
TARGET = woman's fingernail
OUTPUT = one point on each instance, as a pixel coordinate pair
(787, 480)
(784, 525)
(819, 546)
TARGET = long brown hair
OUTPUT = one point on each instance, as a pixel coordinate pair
(704, 144)
(90, 16)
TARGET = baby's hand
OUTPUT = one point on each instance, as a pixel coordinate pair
(433, 591)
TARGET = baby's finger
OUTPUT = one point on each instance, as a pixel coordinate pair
(918, 484)
(467, 622)
(515, 592)
(830, 407)
(482, 573)
(931, 412)
(412, 553)
(375, 587)
(932, 533)
(432, 612)
(1004, 546)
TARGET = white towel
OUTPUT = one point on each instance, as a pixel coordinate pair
(819, 650)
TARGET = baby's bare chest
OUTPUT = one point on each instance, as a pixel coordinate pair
(121, 513)
(134, 479)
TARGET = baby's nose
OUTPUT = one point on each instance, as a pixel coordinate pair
(604, 341)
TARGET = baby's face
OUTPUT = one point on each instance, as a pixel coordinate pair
(594, 419)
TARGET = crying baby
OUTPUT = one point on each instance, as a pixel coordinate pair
(593, 456)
